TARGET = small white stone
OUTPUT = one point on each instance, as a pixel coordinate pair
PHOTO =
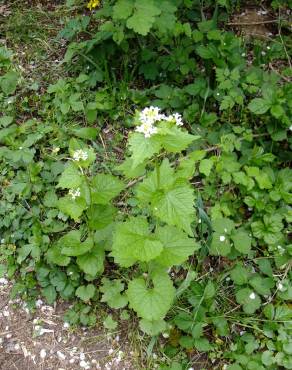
(17, 347)
(252, 295)
(222, 238)
(165, 335)
(66, 325)
(61, 355)
(111, 351)
(82, 356)
(43, 353)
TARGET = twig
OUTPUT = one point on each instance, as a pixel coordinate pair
(252, 23)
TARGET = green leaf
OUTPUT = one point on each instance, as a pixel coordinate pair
(71, 178)
(202, 345)
(88, 133)
(242, 241)
(100, 216)
(259, 106)
(152, 328)
(104, 188)
(262, 285)
(177, 246)
(109, 323)
(92, 262)
(174, 139)
(123, 9)
(240, 275)
(142, 148)
(151, 303)
(73, 208)
(220, 245)
(223, 225)
(55, 256)
(206, 166)
(72, 246)
(49, 293)
(133, 242)
(250, 305)
(85, 292)
(111, 290)
(176, 207)
(8, 82)
(143, 17)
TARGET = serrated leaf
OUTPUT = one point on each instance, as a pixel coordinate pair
(8, 82)
(72, 208)
(133, 242)
(174, 139)
(71, 178)
(72, 246)
(143, 17)
(262, 285)
(55, 256)
(220, 246)
(242, 241)
(239, 275)
(100, 216)
(151, 303)
(259, 106)
(104, 188)
(111, 290)
(243, 297)
(92, 262)
(177, 246)
(109, 323)
(85, 292)
(123, 9)
(152, 327)
(206, 166)
(142, 148)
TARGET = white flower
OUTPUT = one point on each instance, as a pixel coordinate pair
(281, 287)
(150, 115)
(252, 295)
(74, 193)
(165, 335)
(222, 238)
(2, 241)
(43, 353)
(147, 129)
(80, 155)
(178, 119)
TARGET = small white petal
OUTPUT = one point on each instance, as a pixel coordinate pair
(222, 238)
(252, 295)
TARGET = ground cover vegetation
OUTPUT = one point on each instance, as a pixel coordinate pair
(153, 176)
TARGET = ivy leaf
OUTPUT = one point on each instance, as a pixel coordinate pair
(144, 16)
(152, 327)
(242, 241)
(85, 292)
(142, 148)
(151, 303)
(111, 290)
(92, 262)
(249, 305)
(259, 106)
(71, 177)
(72, 246)
(177, 246)
(104, 188)
(134, 242)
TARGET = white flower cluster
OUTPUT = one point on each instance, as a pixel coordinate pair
(150, 115)
(74, 193)
(80, 155)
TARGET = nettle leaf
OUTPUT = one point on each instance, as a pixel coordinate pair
(142, 148)
(111, 290)
(85, 292)
(104, 188)
(71, 178)
(151, 303)
(92, 262)
(143, 17)
(242, 241)
(133, 242)
(248, 299)
(259, 106)
(72, 246)
(206, 166)
(73, 208)
(177, 246)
